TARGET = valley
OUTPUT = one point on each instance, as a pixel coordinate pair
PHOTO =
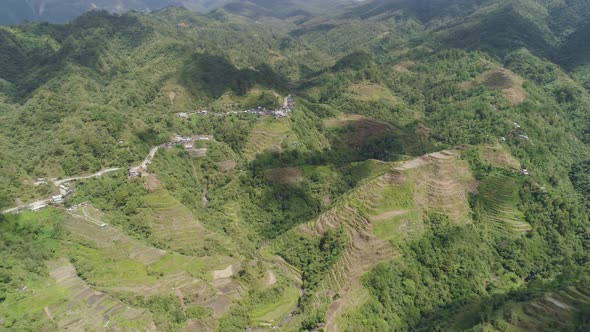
(295, 166)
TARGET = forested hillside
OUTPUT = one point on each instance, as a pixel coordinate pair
(61, 11)
(385, 166)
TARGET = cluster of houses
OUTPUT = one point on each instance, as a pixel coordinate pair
(517, 132)
(282, 111)
(188, 143)
(39, 181)
(178, 140)
(64, 192)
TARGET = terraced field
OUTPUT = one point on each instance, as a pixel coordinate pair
(269, 134)
(499, 195)
(553, 311)
(271, 314)
(368, 92)
(364, 248)
(88, 308)
(121, 264)
(389, 206)
(499, 157)
(442, 184)
(84, 225)
(175, 225)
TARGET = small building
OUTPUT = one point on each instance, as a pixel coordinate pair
(133, 173)
(38, 206)
(202, 137)
(524, 171)
(63, 189)
(57, 199)
(502, 138)
(39, 181)
(182, 115)
(188, 146)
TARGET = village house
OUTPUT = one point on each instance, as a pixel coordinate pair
(57, 199)
(182, 115)
(39, 181)
(64, 190)
(133, 173)
(38, 206)
(288, 105)
(202, 137)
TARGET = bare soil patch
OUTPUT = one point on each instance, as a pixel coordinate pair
(150, 181)
(228, 272)
(502, 79)
(171, 96)
(270, 278)
(496, 155)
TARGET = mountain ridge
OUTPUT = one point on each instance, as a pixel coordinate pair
(430, 173)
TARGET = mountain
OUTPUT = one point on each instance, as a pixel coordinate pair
(382, 165)
(286, 8)
(17, 11)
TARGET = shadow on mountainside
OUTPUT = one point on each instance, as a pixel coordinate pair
(215, 75)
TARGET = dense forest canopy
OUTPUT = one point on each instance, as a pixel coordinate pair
(381, 165)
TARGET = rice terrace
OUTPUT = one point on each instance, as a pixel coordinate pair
(294, 166)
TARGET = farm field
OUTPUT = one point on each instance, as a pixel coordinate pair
(333, 165)
(499, 196)
(272, 313)
(269, 134)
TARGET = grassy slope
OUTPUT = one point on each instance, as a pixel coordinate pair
(413, 111)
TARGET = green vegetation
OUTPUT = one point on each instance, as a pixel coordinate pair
(319, 254)
(274, 310)
(27, 242)
(433, 174)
